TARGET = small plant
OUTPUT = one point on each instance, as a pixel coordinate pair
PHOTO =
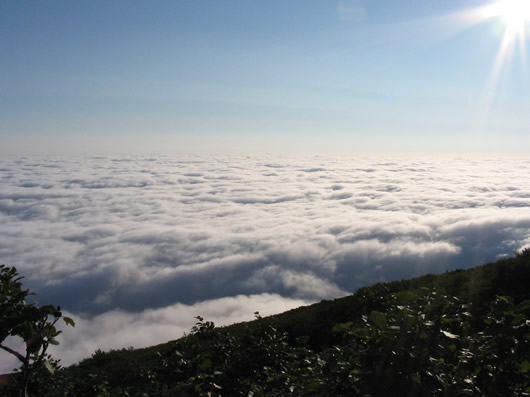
(34, 324)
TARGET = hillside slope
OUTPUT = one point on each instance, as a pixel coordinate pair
(465, 332)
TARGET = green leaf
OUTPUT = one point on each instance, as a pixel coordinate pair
(378, 319)
(450, 319)
(69, 321)
(504, 304)
(49, 367)
(525, 366)
(205, 364)
(341, 327)
(405, 297)
(49, 331)
(313, 385)
(506, 299)
(518, 320)
(524, 307)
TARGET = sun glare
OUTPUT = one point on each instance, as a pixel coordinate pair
(515, 14)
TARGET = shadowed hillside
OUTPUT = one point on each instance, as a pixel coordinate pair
(465, 332)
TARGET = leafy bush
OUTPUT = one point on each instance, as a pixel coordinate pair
(34, 324)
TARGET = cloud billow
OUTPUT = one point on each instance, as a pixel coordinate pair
(133, 235)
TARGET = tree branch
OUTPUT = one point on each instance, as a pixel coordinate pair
(13, 352)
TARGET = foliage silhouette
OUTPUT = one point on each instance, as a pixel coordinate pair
(34, 324)
(455, 334)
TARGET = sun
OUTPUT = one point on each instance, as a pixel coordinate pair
(515, 14)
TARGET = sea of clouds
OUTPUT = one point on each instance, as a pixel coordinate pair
(134, 247)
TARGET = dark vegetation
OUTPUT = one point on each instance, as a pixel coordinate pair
(461, 333)
(34, 324)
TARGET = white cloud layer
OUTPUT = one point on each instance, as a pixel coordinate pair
(121, 242)
(119, 329)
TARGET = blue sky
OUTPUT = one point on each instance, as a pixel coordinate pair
(251, 76)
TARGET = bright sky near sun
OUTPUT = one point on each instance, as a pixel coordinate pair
(348, 75)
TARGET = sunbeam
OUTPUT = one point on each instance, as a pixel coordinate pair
(515, 16)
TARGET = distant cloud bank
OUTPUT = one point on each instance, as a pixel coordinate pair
(140, 245)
